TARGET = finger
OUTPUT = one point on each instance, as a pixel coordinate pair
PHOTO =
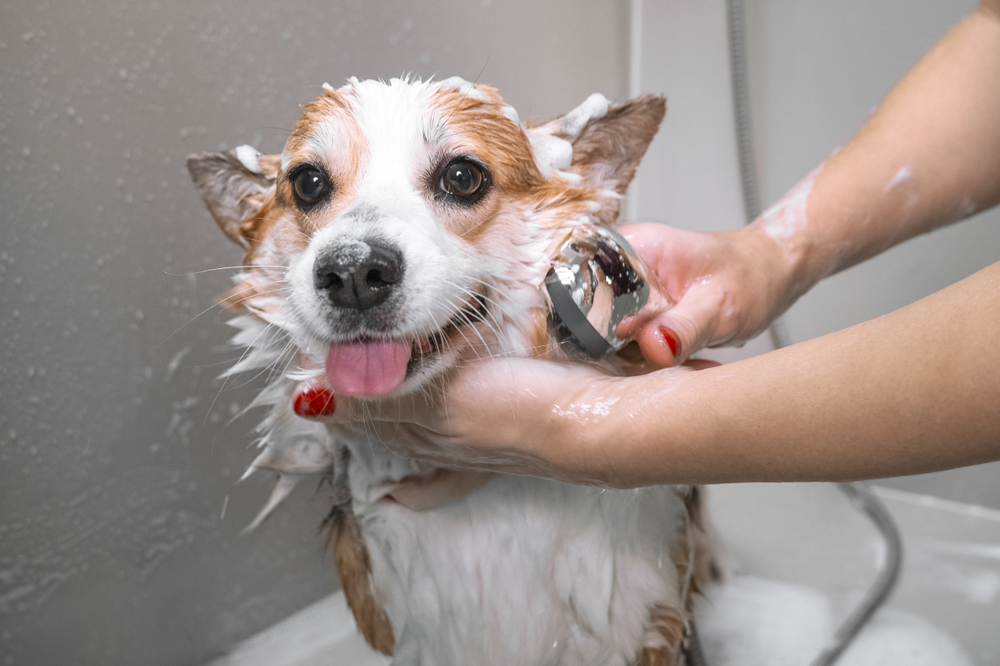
(407, 408)
(674, 334)
(441, 487)
(647, 238)
(658, 342)
(466, 383)
(313, 398)
(701, 363)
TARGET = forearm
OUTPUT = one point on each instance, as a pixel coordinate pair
(913, 391)
(909, 392)
(928, 156)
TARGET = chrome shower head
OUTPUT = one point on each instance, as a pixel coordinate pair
(594, 283)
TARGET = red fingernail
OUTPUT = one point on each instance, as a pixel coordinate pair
(668, 336)
(314, 403)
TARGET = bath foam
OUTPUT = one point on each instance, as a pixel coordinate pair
(554, 154)
(755, 622)
(903, 175)
(249, 157)
(788, 215)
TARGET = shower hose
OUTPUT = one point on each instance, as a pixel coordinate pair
(859, 493)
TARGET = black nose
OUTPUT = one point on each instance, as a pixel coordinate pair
(358, 275)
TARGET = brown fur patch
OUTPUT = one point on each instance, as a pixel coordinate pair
(474, 225)
(542, 346)
(692, 557)
(350, 555)
(706, 569)
(272, 220)
(269, 165)
(343, 166)
(480, 128)
(667, 623)
(235, 298)
(468, 125)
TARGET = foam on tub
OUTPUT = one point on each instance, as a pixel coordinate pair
(755, 622)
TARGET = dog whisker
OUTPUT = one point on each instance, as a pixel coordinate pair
(242, 357)
(240, 267)
(221, 303)
(491, 321)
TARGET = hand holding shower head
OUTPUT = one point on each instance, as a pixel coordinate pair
(595, 282)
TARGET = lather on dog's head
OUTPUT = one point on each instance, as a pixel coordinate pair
(405, 220)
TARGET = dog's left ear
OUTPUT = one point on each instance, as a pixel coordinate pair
(608, 142)
(611, 146)
(235, 185)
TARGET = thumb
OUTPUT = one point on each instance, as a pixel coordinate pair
(672, 335)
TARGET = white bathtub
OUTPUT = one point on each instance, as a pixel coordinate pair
(796, 533)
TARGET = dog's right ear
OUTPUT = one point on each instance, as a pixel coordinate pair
(235, 186)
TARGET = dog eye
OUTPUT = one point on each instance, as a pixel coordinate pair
(310, 185)
(462, 179)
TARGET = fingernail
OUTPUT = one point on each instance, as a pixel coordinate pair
(670, 339)
(314, 403)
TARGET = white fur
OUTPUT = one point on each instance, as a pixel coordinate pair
(523, 571)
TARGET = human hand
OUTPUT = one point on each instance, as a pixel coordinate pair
(521, 416)
(714, 289)
(498, 414)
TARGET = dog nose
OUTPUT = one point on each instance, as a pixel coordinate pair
(358, 275)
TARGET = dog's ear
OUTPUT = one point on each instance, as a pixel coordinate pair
(235, 186)
(601, 143)
(609, 147)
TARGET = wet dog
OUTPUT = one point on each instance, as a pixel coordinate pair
(403, 223)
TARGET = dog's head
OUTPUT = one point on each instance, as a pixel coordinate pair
(406, 220)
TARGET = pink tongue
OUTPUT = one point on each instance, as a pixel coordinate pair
(366, 368)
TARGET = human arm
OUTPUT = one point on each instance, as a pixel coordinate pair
(928, 156)
(913, 391)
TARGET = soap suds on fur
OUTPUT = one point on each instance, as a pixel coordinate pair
(465, 87)
(249, 157)
(595, 106)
